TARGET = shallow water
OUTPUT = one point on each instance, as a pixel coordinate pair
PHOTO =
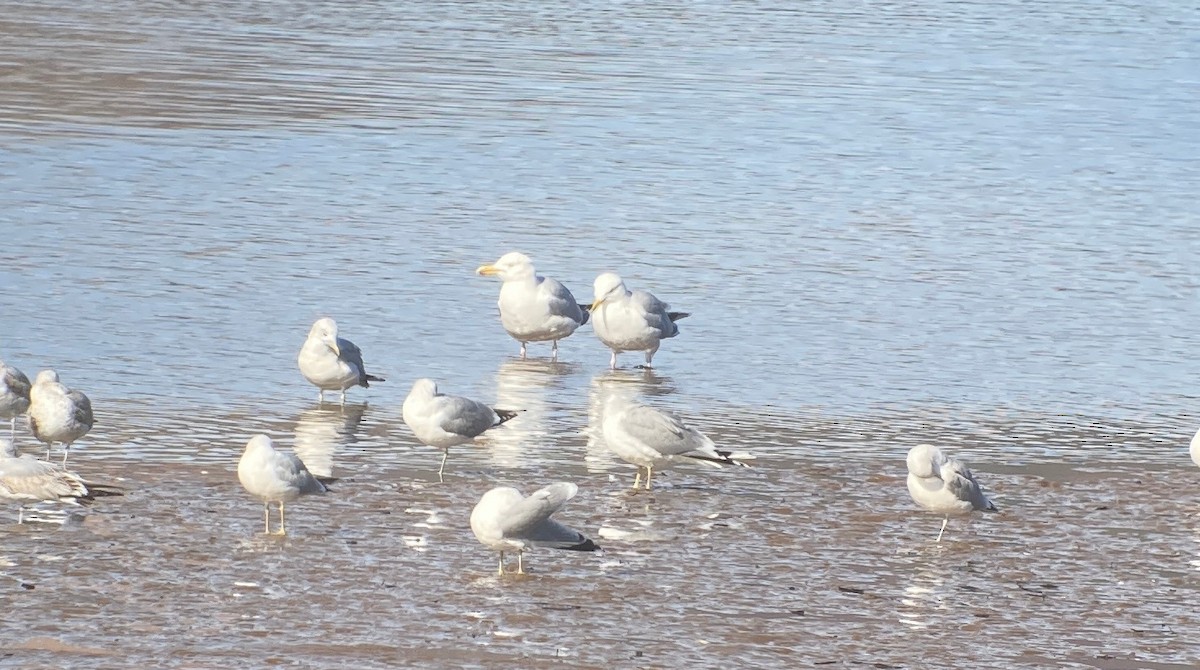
(964, 223)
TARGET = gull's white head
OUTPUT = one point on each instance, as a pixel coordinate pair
(46, 377)
(923, 460)
(423, 388)
(513, 265)
(260, 442)
(607, 287)
(325, 330)
(1195, 448)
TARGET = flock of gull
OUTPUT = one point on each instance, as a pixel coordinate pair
(533, 308)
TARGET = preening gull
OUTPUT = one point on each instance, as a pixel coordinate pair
(627, 320)
(653, 439)
(332, 363)
(444, 421)
(505, 520)
(274, 476)
(28, 480)
(57, 413)
(943, 485)
(533, 308)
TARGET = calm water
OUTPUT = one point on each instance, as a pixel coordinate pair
(965, 223)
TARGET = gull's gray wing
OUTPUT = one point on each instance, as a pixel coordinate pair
(82, 408)
(961, 482)
(463, 416)
(655, 313)
(27, 478)
(562, 303)
(291, 469)
(530, 520)
(661, 431)
(16, 381)
(351, 354)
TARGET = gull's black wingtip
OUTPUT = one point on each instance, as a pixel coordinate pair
(585, 545)
(506, 414)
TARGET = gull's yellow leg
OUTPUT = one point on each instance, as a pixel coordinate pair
(267, 518)
(500, 570)
(944, 522)
(637, 479)
(282, 526)
(649, 471)
(520, 567)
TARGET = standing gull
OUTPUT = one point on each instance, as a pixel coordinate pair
(533, 308)
(630, 320)
(28, 480)
(57, 413)
(444, 421)
(1194, 448)
(653, 439)
(273, 476)
(14, 395)
(505, 520)
(943, 485)
(332, 363)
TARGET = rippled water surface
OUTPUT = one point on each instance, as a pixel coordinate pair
(972, 224)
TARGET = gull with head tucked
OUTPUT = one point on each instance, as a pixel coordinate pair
(27, 480)
(332, 363)
(444, 421)
(653, 439)
(14, 395)
(505, 520)
(943, 485)
(57, 413)
(627, 320)
(274, 476)
(533, 308)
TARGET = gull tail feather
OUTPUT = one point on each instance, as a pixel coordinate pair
(373, 378)
(675, 316)
(506, 414)
(723, 458)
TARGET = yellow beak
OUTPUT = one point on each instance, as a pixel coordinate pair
(595, 304)
(487, 270)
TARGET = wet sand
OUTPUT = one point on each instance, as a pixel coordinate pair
(814, 558)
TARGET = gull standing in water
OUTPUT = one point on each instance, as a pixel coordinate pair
(274, 476)
(943, 485)
(332, 363)
(57, 413)
(653, 439)
(533, 308)
(1194, 448)
(444, 421)
(505, 520)
(14, 395)
(28, 480)
(627, 320)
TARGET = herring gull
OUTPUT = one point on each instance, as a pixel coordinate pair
(332, 363)
(627, 320)
(28, 480)
(943, 485)
(274, 476)
(533, 308)
(14, 395)
(653, 439)
(57, 413)
(444, 421)
(505, 520)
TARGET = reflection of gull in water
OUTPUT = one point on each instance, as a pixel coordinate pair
(274, 476)
(505, 520)
(653, 439)
(323, 429)
(14, 395)
(627, 320)
(444, 421)
(645, 382)
(533, 308)
(943, 485)
(534, 385)
(28, 480)
(926, 593)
